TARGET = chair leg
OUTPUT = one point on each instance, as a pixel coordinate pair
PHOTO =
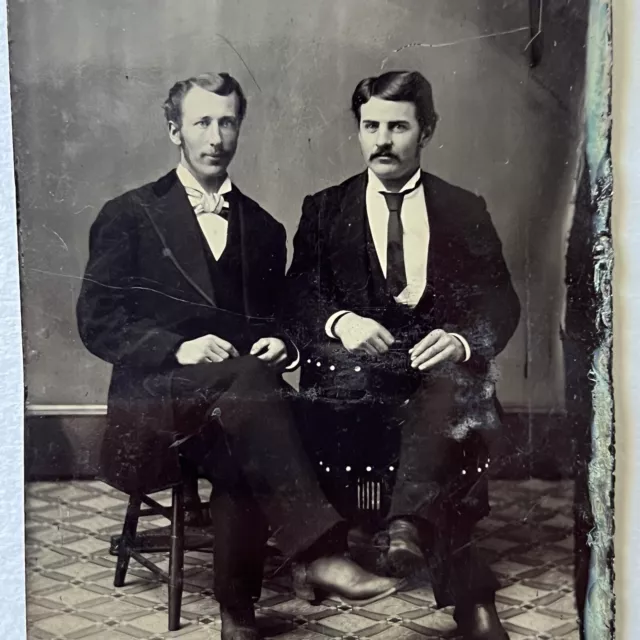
(176, 558)
(126, 539)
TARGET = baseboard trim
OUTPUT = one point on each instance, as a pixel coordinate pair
(66, 410)
(101, 410)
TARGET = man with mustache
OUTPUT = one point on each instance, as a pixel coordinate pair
(180, 295)
(399, 299)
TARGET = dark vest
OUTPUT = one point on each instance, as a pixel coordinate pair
(226, 274)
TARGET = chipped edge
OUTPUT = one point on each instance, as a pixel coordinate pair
(600, 604)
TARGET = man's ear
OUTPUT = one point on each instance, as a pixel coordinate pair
(425, 136)
(174, 133)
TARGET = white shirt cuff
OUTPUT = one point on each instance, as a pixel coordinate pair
(331, 322)
(465, 344)
(294, 365)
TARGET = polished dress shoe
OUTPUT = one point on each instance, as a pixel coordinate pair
(405, 555)
(340, 577)
(238, 623)
(480, 622)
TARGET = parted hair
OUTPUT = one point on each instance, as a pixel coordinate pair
(221, 84)
(399, 86)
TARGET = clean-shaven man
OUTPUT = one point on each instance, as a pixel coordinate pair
(180, 294)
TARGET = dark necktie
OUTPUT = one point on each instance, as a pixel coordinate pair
(396, 275)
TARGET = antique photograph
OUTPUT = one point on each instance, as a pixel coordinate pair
(316, 318)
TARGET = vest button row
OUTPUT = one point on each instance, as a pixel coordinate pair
(369, 469)
(486, 466)
(348, 468)
(332, 367)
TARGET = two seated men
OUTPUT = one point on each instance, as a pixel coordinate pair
(396, 302)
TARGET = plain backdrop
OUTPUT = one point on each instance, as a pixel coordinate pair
(89, 78)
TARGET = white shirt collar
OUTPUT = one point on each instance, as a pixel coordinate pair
(375, 183)
(189, 180)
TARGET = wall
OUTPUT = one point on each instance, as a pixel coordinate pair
(89, 126)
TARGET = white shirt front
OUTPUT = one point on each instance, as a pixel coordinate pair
(214, 227)
(415, 233)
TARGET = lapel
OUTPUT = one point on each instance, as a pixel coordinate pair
(239, 242)
(351, 245)
(439, 246)
(378, 281)
(249, 251)
(175, 223)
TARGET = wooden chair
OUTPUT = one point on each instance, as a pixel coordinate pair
(173, 539)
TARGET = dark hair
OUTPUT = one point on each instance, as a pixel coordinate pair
(399, 86)
(221, 84)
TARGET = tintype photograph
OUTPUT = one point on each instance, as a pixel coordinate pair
(316, 310)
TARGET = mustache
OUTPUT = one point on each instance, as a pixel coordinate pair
(384, 152)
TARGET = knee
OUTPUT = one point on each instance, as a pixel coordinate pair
(255, 373)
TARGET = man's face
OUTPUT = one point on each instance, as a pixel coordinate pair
(208, 136)
(390, 138)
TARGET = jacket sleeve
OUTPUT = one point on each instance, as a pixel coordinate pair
(309, 285)
(105, 312)
(486, 310)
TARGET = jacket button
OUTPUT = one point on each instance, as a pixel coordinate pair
(357, 369)
(332, 368)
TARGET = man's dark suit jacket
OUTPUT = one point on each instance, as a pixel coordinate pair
(147, 289)
(469, 290)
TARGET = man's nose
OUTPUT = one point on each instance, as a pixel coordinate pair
(384, 137)
(215, 139)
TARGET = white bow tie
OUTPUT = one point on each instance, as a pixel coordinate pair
(203, 202)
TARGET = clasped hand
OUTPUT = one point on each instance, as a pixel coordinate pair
(211, 348)
(365, 335)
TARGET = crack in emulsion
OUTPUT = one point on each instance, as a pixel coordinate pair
(483, 36)
(241, 59)
(55, 233)
(152, 290)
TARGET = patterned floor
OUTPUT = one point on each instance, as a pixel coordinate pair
(71, 595)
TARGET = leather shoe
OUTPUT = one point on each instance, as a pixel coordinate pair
(341, 577)
(480, 622)
(405, 553)
(238, 623)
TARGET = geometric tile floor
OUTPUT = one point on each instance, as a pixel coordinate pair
(70, 593)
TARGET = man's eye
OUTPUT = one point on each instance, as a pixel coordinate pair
(202, 123)
(228, 124)
(370, 126)
(400, 127)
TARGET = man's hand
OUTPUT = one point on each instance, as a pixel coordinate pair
(363, 335)
(208, 348)
(438, 346)
(270, 350)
